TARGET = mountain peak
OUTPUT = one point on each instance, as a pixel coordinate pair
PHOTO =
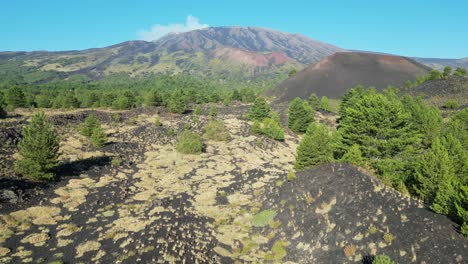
(253, 39)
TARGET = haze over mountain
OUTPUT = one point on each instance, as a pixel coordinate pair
(343, 70)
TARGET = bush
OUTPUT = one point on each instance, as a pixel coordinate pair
(325, 104)
(198, 111)
(292, 176)
(189, 143)
(177, 103)
(216, 131)
(270, 127)
(38, 149)
(213, 112)
(451, 104)
(116, 161)
(382, 259)
(116, 117)
(157, 121)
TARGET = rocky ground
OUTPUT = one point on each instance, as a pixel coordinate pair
(138, 200)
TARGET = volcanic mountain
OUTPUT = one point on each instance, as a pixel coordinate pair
(343, 70)
(219, 52)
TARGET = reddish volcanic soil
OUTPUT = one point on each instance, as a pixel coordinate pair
(251, 58)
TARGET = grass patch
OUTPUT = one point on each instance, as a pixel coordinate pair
(263, 218)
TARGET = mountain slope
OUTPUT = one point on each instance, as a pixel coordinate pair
(441, 63)
(221, 52)
(334, 75)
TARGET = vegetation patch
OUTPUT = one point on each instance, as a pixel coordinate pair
(263, 218)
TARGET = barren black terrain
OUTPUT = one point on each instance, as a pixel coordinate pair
(231, 204)
(339, 72)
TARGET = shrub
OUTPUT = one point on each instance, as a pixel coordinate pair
(213, 111)
(116, 161)
(170, 132)
(116, 117)
(292, 176)
(451, 104)
(314, 101)
(38, 149)
(270, 128)
(382, 259)
(372, 229)
(177, 103)
(189, 143)
(157, 121)
(388, 237)
(198, 111)
(216, 131)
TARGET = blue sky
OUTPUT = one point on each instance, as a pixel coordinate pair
(425, 28)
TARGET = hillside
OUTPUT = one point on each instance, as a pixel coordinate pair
(438, 92)
(438, 63)
(138, 199)
(222, 52)
(334, 75)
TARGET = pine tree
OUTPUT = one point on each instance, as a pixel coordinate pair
(38, 149)
(154, 98)
(354, 156)
(426, 120)
(458, 127)
(300, 115)
(177, 103)
(314, 101)
(461, 206)
(259, 110)
(90, 123)
(316, 147)
(379, 124)
(98, 137)
(447, 72)
(434, 169)
(15, 97)
(325, 104)
(3, 113)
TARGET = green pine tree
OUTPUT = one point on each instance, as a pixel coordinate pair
(434, 169)
(259, 110)
(316, 147)
(90, 123)
(154, 98)
(354, 156)
(15, 97)
(325, 104)
(177, 103)
(38, 149)
(98, 137)
(300, 115)
(314, 101)
(461, 206)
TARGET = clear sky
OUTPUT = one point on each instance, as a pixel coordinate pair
(424, 28)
